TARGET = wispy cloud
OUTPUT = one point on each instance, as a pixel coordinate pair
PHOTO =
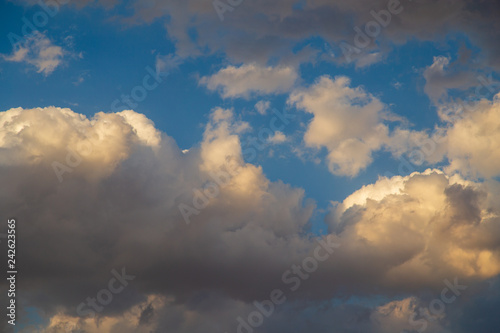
(250, 79)
(38, 50)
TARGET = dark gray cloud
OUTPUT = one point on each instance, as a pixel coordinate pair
(119, 209)
(257, 31)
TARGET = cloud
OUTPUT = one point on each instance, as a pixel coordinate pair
(473, 140)
(165, 64)
(368, 59)
(262, 107)
(119, 207)
(130, 174)
(352, 124)
(103, 192)
(442, 76)
(209, 312)
(434, 217)
(251, 79)
(347, 121)
(38, 51)
(467, 141)
(105, 140)
(221, 140)
(277, 138)
(259, 32)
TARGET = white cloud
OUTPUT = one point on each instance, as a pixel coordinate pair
(439, 224)
(351, 124)
(347, 121)
(277, 138)
(104, 140)
(262, 107)
(397, 85)
(38, 51)
(250, 79)
(473, 140)
(368, 59)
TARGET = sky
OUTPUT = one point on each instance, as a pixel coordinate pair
(251, 166)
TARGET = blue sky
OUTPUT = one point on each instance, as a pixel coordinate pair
(373, 140)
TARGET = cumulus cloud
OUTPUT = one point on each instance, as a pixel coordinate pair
(251, 79)
(123, 198)
(39, 51)
(107, 139)
(467, 141)
(352, 124)
(105, 192)
(347, 121)
(473, 140)
(434, 217)
(119, 207)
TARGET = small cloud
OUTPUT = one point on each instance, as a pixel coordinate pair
(252, 79)
(277, 138)
(71, 103)
(165, 64)
(39, 51)
(262, 107)
(368, 59)
(397, 85)
(81, 78)
(328, 50)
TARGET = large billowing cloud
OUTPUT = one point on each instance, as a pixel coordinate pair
(196, 236)
(439, 225)
(119, 205)
(127, 192)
